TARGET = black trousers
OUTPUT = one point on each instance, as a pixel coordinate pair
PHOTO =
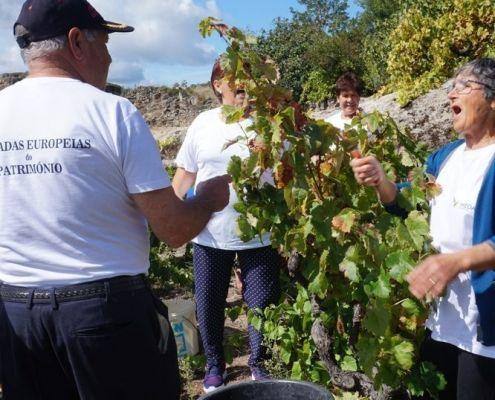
(469, 376)
(116, 346)
(260, 270)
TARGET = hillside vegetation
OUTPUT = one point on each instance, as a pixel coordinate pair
(402, 46)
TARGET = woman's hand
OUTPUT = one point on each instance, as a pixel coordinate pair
(430, 278)
(368, 171)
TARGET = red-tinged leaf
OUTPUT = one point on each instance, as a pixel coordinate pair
(257, 145)
(345, 220)
(433, 189)
(221, 28)
(283, 174)
(355, 154)
(300, 118)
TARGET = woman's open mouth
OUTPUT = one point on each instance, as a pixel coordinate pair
(456, 110)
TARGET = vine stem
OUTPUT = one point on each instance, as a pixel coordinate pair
(313, 176)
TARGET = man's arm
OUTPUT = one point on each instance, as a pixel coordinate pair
(431, 277)
(175, 221)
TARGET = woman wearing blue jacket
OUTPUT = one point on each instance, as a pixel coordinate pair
(461, 328)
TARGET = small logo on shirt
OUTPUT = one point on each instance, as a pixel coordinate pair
(462, 206)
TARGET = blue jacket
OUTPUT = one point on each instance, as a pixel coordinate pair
(483, 231)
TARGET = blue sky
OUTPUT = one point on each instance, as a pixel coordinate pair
(166, 47)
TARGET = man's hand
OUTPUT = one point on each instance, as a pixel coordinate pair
(430, 278)
(368, 171)
(175, 221)
(214, 193)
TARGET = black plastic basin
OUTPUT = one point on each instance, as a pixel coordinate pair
(270, 390)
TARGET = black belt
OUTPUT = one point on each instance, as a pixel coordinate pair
(80, 291)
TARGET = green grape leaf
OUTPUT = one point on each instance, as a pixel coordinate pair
(296, 372)
(377, 318)
(232, 114)
(399, 264)
(380, 287)
(368, 349)
(404, 354)
(349, 364)
(235, 168)
(418, 228)
(319, 285)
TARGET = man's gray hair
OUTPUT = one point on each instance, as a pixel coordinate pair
(483, 69)
(44, 48)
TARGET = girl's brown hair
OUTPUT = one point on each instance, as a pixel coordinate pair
(349, 81)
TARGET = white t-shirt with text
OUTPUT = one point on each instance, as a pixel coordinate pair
(70, 158)
(203, 153)
(455, 315)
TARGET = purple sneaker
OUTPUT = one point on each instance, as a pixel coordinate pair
(214, 378)
(260, 374)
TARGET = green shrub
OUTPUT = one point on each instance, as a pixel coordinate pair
(318, 87)
(170, 269)
(375, 51)
(431, 41)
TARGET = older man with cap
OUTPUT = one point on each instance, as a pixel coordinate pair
(80, 177)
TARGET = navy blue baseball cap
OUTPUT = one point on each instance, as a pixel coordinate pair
(45, 19)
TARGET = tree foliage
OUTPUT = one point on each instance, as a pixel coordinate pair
(409, 46)
(433, 39)
(347, 318)
(330, 16)
(289, 45)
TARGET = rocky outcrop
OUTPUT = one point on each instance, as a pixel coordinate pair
(10, 79)
(428, 118)
(161, 106)
(164, 107)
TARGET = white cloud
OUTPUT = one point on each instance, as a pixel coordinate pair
(126, 73)
(166, 33)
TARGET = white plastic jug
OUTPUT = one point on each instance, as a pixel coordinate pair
(182, 316)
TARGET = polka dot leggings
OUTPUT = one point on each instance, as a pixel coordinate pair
(212, 271)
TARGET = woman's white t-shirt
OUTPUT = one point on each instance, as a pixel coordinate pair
(454, 319)
(203, 153)
(338, 120)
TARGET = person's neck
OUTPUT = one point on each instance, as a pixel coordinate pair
(49, 69)
(484, 138)
(344, 116)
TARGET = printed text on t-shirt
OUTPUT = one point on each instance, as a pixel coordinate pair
(38, 144)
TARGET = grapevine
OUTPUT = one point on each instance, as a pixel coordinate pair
(347, 318)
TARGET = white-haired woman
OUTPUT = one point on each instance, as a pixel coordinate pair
(461, 328)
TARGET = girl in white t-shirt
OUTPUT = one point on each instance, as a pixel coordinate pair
(201, 157)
